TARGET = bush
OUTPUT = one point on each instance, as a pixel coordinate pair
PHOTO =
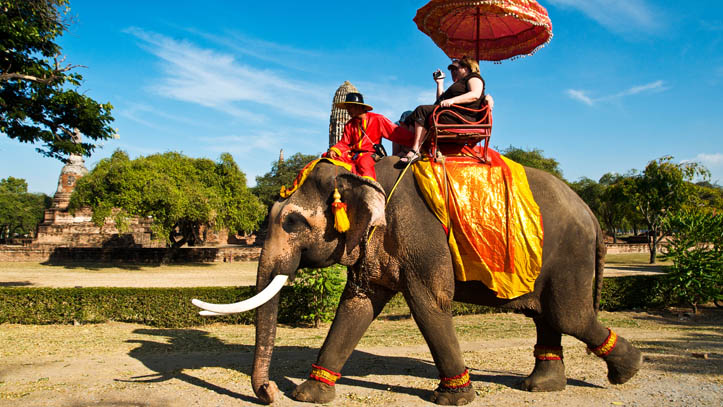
(696, 249)
(619, 293)
(317, 292)
(172, 308)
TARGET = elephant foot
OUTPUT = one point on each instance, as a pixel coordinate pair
(313, 391)
(623, 362)
(457, 397)
(548, 375)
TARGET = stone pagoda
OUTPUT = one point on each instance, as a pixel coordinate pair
(339, 117)
(60, 228)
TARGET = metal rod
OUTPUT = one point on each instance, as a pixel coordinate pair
(476, 34)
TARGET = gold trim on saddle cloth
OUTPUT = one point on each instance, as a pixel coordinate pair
(304, 173)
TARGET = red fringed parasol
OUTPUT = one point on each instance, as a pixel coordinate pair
(491, 30)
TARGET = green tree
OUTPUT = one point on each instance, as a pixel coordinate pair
(535, 159)
(708, 197)
(13, 185)
(616, 211)
(282, 173)
(181, 194)
(662, 189)
(39, 101)
(20, 211)
(591, 192)
(696, 248)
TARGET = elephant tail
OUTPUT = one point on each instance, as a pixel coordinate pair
(600, 252)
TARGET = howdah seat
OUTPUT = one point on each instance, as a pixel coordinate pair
(455, 136)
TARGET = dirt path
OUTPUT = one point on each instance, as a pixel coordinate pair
(191, 275)
(118, 364)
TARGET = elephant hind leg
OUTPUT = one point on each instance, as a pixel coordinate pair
(622, 358)
(549, 371)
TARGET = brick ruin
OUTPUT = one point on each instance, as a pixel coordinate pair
(60, 228)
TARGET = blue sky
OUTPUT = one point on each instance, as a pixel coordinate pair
(621, 83)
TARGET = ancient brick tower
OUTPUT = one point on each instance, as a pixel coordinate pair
(339, 117)
(73, 170)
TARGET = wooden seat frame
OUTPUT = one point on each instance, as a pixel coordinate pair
(464, 132)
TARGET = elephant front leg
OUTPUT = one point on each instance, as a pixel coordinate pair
(353, 317)
(434, 320)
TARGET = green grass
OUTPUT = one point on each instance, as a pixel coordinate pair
(633, 258)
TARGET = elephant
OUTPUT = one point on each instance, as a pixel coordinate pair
(408, 253)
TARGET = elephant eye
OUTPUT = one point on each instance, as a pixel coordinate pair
(294, 222)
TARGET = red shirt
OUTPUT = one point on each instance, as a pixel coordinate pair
(361, 134)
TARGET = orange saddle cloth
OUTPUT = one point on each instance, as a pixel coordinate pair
(492, 220)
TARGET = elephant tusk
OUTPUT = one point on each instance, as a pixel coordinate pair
(254, 302)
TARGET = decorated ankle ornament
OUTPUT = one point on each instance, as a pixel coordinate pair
(607, 346)
(459, 383)
(324, 375)
(548, 352)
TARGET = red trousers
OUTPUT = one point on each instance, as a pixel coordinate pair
(362, 164)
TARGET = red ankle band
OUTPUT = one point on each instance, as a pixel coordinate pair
(324, 375)
(607, 346)
(548, 352)
(456, 382)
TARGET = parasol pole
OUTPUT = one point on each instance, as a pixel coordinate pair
(476, 34)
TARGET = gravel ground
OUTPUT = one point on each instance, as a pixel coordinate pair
(117, 364)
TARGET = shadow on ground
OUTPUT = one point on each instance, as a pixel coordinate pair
(15, 283)
(190, 349)
(693, 352)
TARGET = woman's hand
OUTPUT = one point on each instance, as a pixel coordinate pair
(332, 154)
(446, 102)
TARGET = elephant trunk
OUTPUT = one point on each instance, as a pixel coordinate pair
(265, 335)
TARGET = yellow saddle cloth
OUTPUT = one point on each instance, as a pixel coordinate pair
(492, 220)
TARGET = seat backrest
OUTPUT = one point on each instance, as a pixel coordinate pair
(461, 131)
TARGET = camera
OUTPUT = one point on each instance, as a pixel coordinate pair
(438, 74)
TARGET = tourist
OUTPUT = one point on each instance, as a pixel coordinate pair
(466, 91)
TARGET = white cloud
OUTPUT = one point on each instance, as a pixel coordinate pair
(712, 160)
(217, 80)
(579, 95)
(616, 15)
(582, 96)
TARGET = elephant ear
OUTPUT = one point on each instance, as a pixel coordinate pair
(365, 201)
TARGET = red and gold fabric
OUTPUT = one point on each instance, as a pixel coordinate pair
(493, 223)
(324, 375)
(548, 352)
(456, 382)
(606, 347)
(304, 173)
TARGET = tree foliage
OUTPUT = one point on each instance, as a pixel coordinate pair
(533, 158)
(39, 101)
(20, 211)
(282, 173)
(319, 291)
(696, 248)
(708, 197)
(662, 189)
(181, 194)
